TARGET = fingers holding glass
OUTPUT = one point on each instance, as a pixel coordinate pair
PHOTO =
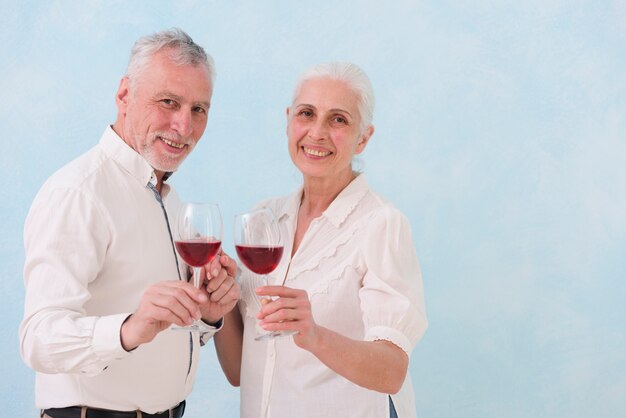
(289, 311)
(198, 240)
(259, 245)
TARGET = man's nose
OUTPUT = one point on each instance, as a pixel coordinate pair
(181, 123)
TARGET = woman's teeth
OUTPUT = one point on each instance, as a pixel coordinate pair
(316, 152)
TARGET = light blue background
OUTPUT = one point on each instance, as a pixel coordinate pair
(500, 134)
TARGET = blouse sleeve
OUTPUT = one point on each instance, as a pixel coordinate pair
(392, 294)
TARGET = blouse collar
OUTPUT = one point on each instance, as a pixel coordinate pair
(339, 209)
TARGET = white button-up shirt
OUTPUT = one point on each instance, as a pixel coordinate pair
(358, 264)
(95, 239)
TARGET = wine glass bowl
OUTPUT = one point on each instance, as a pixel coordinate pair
(197, 252)
(259, 246)
(198, 239)
(260, 259)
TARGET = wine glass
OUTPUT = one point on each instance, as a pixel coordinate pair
(259, 245)
(199, 238)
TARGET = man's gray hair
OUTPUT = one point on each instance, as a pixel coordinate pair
(353, 76)
(183, 51)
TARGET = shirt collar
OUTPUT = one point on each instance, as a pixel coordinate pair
(339, 209)
(129, 159)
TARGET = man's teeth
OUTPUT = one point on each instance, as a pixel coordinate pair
(316, 152)
(173, 144)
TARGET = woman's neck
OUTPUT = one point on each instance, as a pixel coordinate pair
(319, 193)
(317, 196)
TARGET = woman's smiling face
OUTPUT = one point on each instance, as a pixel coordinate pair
(323, 128)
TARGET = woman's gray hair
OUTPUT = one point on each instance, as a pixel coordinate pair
(184, 51)
(353, 76)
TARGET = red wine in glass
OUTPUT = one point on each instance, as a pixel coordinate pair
(199, 251)
(198, 238)
(259, 245)
(261, 259)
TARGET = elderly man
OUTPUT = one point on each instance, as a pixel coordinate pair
(103, 283)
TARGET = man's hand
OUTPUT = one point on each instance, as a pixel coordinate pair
(222, 288)
(162, 304)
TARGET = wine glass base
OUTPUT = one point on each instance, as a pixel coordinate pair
(274, 334)
(197, 326)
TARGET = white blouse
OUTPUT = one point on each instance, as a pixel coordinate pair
(358, 264)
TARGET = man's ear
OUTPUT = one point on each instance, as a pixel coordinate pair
(365, 137)
(122, 95)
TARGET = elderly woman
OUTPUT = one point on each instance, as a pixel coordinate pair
(352, 286)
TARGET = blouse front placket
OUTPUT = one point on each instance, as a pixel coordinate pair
(279, 277)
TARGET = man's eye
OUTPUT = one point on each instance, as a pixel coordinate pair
(167, 102)
(199, 110)
(306, 113)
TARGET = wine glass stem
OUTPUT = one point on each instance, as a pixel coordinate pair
(265, 282)
(196, 277)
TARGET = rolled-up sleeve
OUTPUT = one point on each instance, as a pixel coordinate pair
(65, 239)
(392, 295)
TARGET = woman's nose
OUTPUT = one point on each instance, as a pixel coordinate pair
(318, 131)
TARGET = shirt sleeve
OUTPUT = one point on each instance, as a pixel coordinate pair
(65, 240)
(392, 296)
(206, 336)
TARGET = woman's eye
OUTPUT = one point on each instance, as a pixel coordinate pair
(341, 119)
(306, 113)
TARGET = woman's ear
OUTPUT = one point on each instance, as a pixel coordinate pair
(365, 137)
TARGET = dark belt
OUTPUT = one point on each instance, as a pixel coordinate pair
(74, 412)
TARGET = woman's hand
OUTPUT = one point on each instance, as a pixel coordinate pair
(222, 288)
(287, 309)
(348, 357)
